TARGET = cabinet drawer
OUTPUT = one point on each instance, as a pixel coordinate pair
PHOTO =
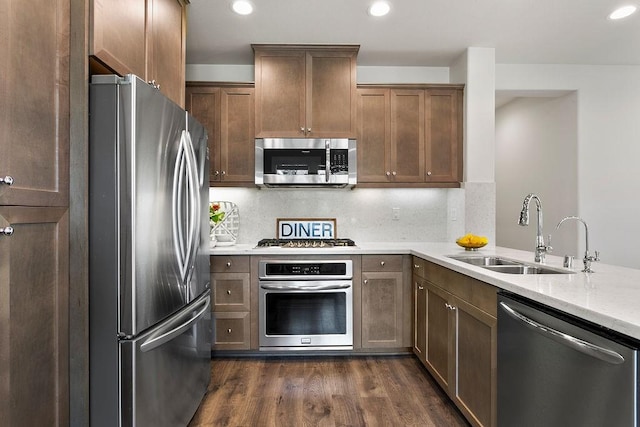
(231, 331)
(382, 263)
(230, 291)
(230, 264)
(419, 267)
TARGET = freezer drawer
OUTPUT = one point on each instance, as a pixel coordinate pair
(554, 370)
(168, 369)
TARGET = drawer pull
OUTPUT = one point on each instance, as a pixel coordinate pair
(421, 288)
(6, 231)
(382, 263)
(416, 266)
(228, 291)
(228, 263)
(8, 180)
(229, 331)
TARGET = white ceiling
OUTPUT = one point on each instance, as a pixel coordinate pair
(421, 32)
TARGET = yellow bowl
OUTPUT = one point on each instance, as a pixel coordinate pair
(471, 246)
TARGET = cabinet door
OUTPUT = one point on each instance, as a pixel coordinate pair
(381, 309)
(443, 140)
(419, 318)
(374, 134)
(280, 93)
(34, 313)
(331, 94)
(237, 143)
(166, 47)
(440, 348)
(476, 355)
(118, 35)
(34, 103)
(203, 102)
(407, 135)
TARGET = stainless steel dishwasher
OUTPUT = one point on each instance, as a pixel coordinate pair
(555, 370)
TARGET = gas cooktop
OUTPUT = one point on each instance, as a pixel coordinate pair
(304, 243)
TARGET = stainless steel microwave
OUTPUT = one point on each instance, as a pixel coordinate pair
(300, 162)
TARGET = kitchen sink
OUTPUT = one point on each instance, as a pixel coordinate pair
(509, 266)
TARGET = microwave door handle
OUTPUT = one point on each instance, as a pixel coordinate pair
(327, 164)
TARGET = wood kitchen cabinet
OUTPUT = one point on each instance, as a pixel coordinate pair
(460, 332)
(385, 323)
(227, 112)
(409, 135)
(34, 213)
(305, 91)
(231, 297)
(143, 37)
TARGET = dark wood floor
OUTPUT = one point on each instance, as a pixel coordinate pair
(324, 391)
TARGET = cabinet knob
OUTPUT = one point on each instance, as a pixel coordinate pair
(7, 180)
(228, 263)
(216, 173)
(224, 173)
(228, 291)
(365, 281)
(155, 84)
(428, 173)
(229, 331)
(388, 173)
(6, 231)
(416, 265)
(393, 173)
(382, 263)
(421, 288)
(449, 306)
(302, 129)
(308, 130)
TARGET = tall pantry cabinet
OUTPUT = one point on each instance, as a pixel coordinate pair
(34, 212)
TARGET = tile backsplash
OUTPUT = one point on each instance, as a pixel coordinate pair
(364, 215)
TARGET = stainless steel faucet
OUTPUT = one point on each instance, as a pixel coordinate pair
(587, 257)
(541, 248)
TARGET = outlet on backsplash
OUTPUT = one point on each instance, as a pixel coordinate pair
(395, 215)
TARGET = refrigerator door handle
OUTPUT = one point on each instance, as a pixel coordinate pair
(577, 344)
(171, 330)
(177, 221)
(195, 215)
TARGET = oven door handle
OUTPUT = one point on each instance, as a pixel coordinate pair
(304, 288)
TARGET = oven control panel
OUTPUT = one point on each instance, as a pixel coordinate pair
(305, 270)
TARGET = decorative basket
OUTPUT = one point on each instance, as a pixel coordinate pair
(225, 232)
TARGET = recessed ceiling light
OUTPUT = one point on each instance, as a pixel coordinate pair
(622, 12)
(242, 7)
(379, 8)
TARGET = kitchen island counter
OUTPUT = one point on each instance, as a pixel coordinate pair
(608, 297)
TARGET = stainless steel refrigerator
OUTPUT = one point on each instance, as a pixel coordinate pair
(149, 307)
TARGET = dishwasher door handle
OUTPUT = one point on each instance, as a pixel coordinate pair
(577, 344)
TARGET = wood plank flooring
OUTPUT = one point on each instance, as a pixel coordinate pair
(324, 391)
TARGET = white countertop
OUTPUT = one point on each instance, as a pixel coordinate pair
(609, 297)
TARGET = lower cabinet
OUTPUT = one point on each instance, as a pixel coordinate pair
(384, 324)
(230, 284)
(455, 337)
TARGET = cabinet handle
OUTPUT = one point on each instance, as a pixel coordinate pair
(388, 173)
(421, 288)
(393, 173)
(365, 281)
(416, 265)
(228, 263)
(228, 291)
(308, 130)
(6, 231)
(7, 180)
(216, 173)
(428, 173)
(382, 263)
(229, 331)
(302, 130)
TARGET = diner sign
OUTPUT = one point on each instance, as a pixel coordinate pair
(306, 228)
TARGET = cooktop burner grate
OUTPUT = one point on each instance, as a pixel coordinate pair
(304, 243)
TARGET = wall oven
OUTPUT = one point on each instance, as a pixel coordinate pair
(306, 304)
(305, 162)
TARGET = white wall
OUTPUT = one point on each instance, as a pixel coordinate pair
(536, 152)
(608, 130)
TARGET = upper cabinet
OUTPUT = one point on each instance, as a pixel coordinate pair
(227, 113)
(305, 91)
(142, 37)
(410, 135)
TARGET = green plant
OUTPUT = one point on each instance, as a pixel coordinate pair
(215, 214)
